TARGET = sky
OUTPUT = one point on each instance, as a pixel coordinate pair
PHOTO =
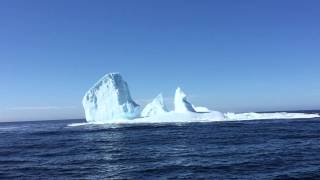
(227, 55)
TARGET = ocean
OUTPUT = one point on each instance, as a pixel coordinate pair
(256, 149)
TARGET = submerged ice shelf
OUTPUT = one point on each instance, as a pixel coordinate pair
(110, 101)
(212, 116)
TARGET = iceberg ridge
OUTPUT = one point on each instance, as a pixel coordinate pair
(156, 107)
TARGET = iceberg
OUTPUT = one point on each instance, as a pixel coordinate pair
(109, 102)
(181, 104)
(156, 107)
(109, 99)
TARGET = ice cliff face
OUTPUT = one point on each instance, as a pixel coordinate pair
(181, 103)
(156, 107)
(109, 99)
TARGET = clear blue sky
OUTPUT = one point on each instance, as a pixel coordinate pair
(227, 55)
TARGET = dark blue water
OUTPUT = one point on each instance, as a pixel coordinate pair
(267, 149)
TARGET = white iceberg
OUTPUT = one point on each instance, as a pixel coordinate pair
(109, 99)
(181, 104)
(156, 107)
(109, 102)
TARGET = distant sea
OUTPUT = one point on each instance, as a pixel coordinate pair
(256, 149)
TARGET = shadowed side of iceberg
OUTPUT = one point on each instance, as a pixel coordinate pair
(181, 104)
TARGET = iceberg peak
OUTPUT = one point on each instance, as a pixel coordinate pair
(109, 99)
(181, 104)
(156, 107)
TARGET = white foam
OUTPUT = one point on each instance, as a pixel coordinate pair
(258, 116)
(77, 124)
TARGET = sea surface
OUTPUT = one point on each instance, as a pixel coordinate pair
(256, 149)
